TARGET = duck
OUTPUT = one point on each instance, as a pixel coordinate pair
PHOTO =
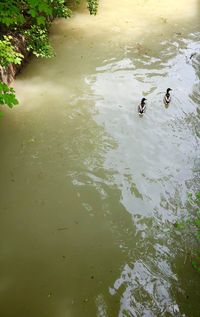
(142, 106)
(167, 97)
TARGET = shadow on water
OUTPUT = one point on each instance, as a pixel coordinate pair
(90, 194)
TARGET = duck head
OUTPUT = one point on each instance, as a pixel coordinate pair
(168, 90)
(143, 100)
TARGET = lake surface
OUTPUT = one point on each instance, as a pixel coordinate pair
(91, 192)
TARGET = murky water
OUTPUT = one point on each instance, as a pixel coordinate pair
(90, 192)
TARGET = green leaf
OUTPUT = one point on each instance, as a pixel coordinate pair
(8, 54)
(38, 43)
(40, 20)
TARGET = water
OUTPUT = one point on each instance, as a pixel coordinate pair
(90, 192)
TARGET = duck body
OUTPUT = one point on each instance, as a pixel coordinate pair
(167, 97)
(142, 106)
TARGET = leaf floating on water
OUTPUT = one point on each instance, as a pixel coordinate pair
(32, 140)
(142, 50)
(62, 228)
(164, 20)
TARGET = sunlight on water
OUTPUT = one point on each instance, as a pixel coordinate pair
(90, 192)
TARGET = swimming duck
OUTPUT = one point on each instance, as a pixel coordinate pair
(167, 97)
(142, 106)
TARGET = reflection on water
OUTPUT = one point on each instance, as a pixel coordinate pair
(90, 192)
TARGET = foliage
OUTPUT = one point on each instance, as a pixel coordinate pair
(8, 54)
(19, 12)
(41, 10)
(30, 18)
(33, 17)
(93, 6)
(11, 12)
(7, 95)
(38, 43)
(60, 10)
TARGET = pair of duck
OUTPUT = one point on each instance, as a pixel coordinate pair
(142, 105)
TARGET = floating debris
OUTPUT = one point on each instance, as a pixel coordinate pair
(62, 228)
(164, 20)
(178, 33)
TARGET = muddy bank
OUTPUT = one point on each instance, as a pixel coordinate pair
(7, 74)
